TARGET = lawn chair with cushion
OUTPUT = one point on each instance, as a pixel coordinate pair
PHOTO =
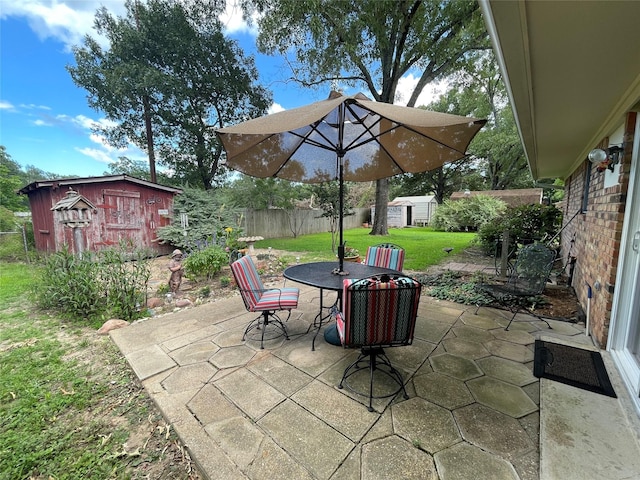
(257, 298)
(377, 312)
(385, 255)
(529, 278)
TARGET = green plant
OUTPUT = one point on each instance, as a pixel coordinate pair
(524, 223)
(205, 263)
(467, 214)
(163, 289)
(112, 282)
(225, 281)
(204, 291)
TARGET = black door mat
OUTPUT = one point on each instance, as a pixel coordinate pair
(573, 366)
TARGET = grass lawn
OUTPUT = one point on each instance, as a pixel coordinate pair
(70, 407)
(423, 246)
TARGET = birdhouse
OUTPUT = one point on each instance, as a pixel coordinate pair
(74, 210)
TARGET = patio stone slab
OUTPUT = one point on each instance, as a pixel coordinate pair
(194, 353)
(425, 424)
(313, 443)
(493, 431)
(210, 406)
(232, 356)
(501, 396)
(443, 390)
(507, 370)
(393, 457)
(273, 463)
(336, 409)
(205, 333)
(149, 361)
(455, 366)
(511, 351)
(190, 376)
(250, 393)
(279, 374)
(466, 462)
(238, 437)
(484, 319)
(514, 336)
(431, 331)
(473, 334)
(465, 348)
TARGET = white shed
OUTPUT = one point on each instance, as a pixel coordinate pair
(409, 211)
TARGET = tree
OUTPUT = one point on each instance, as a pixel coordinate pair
(478, 89)
(169, 78)
(373, 43)
(10, 182)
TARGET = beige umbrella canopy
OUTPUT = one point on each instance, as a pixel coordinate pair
(347, 138)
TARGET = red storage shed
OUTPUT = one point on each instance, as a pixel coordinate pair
(97, 212)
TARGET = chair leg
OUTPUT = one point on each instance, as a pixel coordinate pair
(261, 323)
(372, 359)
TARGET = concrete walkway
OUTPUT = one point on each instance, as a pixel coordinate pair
(247, 413)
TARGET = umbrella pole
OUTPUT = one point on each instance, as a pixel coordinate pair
(340, 219)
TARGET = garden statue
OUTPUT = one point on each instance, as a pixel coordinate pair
(177, 270)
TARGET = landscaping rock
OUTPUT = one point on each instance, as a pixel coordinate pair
(112, 324)
(155, 302)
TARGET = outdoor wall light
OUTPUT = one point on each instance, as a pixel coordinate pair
(606, 158)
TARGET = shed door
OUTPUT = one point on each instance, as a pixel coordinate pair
(122, 219)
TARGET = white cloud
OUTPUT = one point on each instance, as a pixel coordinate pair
(97, 154)
(233, 21)
(430, 93)
(275, 107)
(6, 106)
(67, 21)
(42, 123)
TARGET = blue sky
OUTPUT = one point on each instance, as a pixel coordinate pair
(45, 120)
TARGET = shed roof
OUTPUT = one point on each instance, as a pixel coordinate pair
(416, 198)
(68, 182)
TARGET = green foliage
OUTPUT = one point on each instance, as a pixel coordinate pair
(183, 88)
(328, 200)
(124, 276)
(467, 214)
(453, 287)
(112, 282)
(70, 284)
(206, 262)
(10, 183)
(210, 221)
(525, 224)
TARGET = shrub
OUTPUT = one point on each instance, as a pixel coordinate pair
(92, 285)
(525, 223)
(205, 263)
(467, 214)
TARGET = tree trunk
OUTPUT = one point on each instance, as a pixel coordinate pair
(382, 199)
(150, 149)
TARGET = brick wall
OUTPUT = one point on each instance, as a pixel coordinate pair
(593, 236)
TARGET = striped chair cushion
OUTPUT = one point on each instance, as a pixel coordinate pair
(255, 296)
(385, 257)
(277, 299)
(378, 313)
(248, 280)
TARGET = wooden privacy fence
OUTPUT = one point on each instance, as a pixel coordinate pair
(283, 223)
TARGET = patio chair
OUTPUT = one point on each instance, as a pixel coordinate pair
(529, 278)
(257, 298)
(377, 312)
(385, 255)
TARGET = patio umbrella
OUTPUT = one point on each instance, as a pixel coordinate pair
(346, 138)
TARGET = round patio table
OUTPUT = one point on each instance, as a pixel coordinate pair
(322, 275)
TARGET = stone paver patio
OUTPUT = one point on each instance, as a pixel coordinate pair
(243, 412)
